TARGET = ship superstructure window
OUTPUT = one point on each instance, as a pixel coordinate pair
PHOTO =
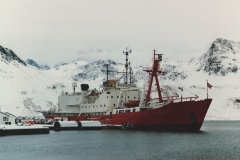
(108, 92)
(111, 96)
(121, 111)
(117, 96)
(100, 105)
(127, 111)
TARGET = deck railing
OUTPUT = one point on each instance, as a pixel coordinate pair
(174, 99)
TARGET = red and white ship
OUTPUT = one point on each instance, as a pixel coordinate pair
(124, 104)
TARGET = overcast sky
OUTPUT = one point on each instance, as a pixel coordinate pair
(54, 31)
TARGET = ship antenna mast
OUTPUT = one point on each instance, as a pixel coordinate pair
(126, 52)
(153, 72)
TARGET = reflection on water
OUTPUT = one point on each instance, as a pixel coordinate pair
(217, 140)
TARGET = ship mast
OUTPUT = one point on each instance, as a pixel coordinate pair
(154, 72)
(107, 65)
(126, 52)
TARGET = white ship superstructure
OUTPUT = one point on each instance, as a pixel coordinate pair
(112, 95)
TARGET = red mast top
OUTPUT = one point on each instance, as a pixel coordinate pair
(153, 72)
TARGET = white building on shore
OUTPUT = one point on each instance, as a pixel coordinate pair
(7, 118)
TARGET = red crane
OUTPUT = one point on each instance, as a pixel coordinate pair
(153, 73)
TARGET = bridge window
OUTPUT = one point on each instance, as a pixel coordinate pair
(127, 111)
(121, 111)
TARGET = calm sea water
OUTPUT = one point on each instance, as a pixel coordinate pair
(217, 140)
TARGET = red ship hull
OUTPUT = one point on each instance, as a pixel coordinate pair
(180, 116)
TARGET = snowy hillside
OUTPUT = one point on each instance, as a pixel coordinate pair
(27, 89)
(24, 89)
(220, 64)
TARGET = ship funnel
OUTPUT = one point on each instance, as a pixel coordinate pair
(84, 87)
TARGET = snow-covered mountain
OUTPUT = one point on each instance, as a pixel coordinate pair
(27, 89)
(8, 56)
(223, 57)
(35, 64)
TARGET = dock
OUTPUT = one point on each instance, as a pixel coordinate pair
(22, 130)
